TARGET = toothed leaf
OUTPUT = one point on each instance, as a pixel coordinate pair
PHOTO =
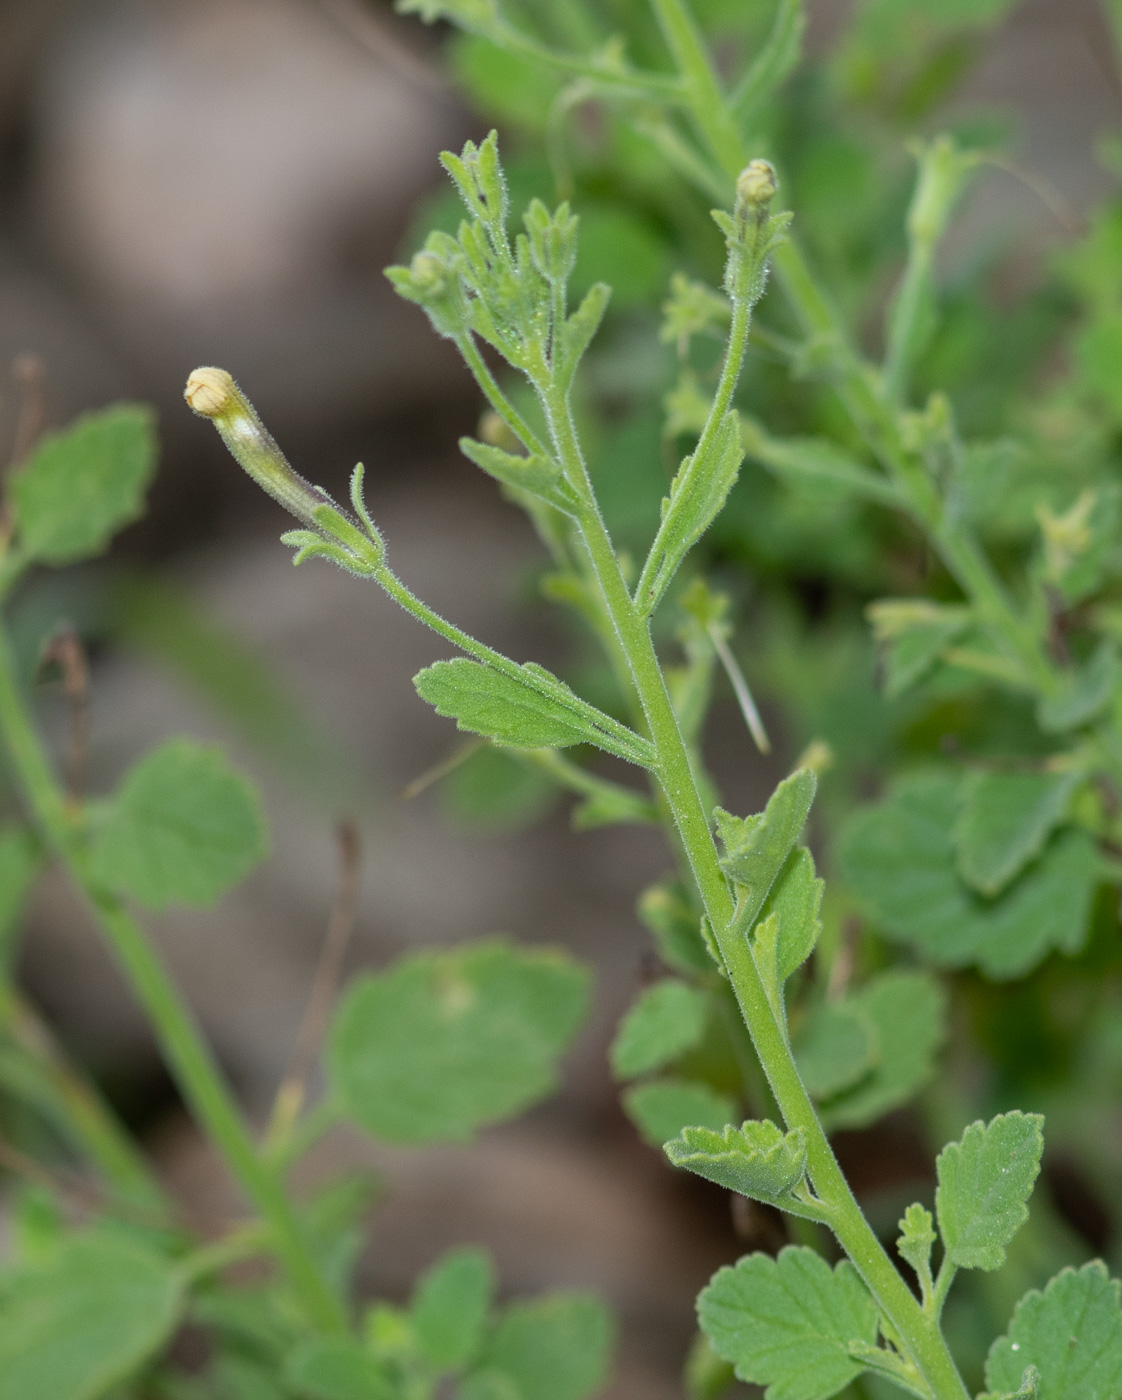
(984, 1183)
(756, 1159)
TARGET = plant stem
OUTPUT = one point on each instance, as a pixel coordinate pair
(183, 1046)
(79, 1109)
(678, 782)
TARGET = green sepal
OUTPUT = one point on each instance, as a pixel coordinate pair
(537, 475)
(757, 1159)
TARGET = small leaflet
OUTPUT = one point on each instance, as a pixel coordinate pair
(450, 1305)
(984, 1183)
(898, 858)
(665, 1107)
(1004, 822)
(85, 483)
(183, 828)
(667, 1020)
(446, 1042)
(554, 1348)
(757, 1159)
(789, 1323)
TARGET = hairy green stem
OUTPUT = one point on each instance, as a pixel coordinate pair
(679, 784)
(185, 1049)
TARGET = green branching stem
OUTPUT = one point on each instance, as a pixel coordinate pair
(185, 1049)
(857, 383)
(495, 397)
(613, 78)
(627, 804)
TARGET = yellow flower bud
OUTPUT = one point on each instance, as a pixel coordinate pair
(757, 183)
(209, 391)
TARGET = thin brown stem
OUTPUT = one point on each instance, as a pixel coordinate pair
(30, 374)
(65, 650)
(340, 928)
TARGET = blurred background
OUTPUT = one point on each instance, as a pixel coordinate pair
(222, 182)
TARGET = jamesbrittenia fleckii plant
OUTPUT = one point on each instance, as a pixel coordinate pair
(793, 1324)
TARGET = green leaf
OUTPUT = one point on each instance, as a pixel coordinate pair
(788, 1323)
(795, 898)
(1083, 694)
(444, 1043)
(536, 711)
(581, 326)
(555, 1348)
(807, 462)
(21, 859)
(756, 848)
(1072, 1333)
(898, 859)
(662, 1110)
(182, 828)
(450, 1307)
(1004, 822)
(333, 1220)
(984, 1182)
(538, 475)
(697, 494)
(85, 1320)
(913, 631)
(835, 1047)
(907, 1011)
(83, 484)
(667, 1020)
(1029, 1388)
(917, 1235)
(757, 1159)
(476, 16)
(675, 927)
(335, 1368)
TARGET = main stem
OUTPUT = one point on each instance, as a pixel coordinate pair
(679, 784)
(183, 1046)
